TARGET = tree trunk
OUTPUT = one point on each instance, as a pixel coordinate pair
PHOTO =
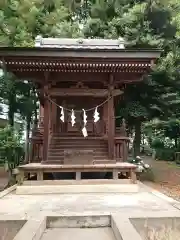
(11, 110)
(176, 143)
(137, 138)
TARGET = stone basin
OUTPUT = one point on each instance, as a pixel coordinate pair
(70, 227)
(79, 227)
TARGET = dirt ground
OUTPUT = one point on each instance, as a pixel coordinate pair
(167, 177)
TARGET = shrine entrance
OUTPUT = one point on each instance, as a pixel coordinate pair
(77, 104)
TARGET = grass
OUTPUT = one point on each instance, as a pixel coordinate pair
(174, 165)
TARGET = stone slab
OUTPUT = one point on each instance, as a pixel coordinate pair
(9, 228)
(7, 191)
(67, 189)
(123, 229)
(76, 182)
(33, 229)
(59, 167)
(28, 206)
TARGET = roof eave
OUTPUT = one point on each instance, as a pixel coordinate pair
(78, 53)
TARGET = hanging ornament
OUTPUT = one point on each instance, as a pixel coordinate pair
(84, 117)
(73, 118)
(96, 115)
(84, 130)
(62, 114)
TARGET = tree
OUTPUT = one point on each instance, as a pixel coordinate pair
(27, 108)
(11, 148)
(8, 87)
(19, 26)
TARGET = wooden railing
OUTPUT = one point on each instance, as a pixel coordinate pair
(121, 149)
(36, 144)
(36, 151)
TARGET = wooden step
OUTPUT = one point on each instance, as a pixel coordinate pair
(57, 152)
(78, 138)
(59, 144)
(93, 142)
(77, 146)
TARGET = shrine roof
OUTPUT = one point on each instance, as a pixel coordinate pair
(52, 52)
(77, 55)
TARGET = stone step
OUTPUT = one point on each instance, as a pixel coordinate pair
(74, 188)
(76, 182)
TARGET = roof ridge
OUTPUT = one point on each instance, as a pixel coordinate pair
(95, 43)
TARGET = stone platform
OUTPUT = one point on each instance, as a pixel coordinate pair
(77, 186)
(39, 169)
(26, 206)
(47, 214)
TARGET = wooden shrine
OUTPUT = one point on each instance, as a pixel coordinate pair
(78, 74)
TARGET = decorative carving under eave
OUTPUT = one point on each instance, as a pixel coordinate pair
(79, 85)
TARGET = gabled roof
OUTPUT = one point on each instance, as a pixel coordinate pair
(77, 55)
(69, 43)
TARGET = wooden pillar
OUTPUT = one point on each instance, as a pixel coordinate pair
(46, 129)
(105, 118)
(41, 111)
(111, 120)
(54, 115)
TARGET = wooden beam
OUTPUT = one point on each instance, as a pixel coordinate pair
(77, 92)
(111, 120)
(46, 129)
(54, 116)
(117, 92)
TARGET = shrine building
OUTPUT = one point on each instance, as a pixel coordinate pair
(80, 83)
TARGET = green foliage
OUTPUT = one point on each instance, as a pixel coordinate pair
(157, 143)
(11, 147)
(166, 154)
(172, 129)
(22, 20)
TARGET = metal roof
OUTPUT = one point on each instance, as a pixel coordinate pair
(70, 43)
